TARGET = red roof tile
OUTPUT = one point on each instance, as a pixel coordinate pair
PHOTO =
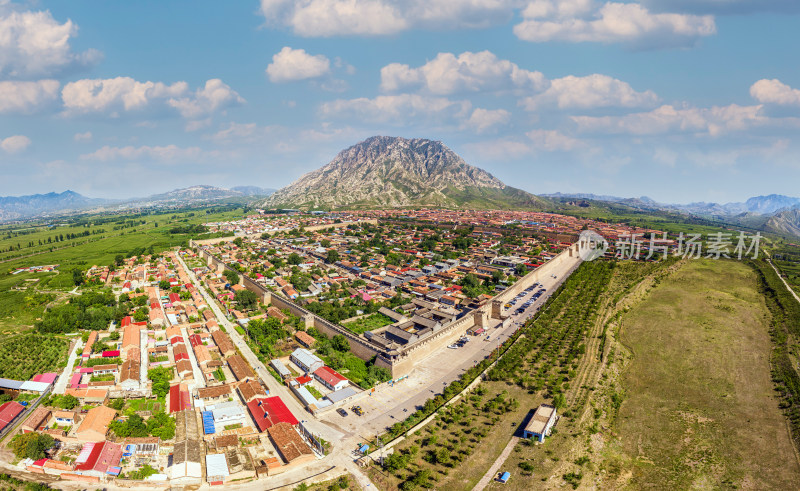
(267, 411)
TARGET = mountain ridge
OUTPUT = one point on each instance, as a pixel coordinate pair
(52, 203)
(772, 213)
(391, 172)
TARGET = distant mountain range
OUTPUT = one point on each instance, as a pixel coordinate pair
(12, 207)
(774, 213)
(391, 172)
(36, 205)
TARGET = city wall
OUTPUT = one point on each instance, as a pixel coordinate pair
(402, 361)
(452, 226)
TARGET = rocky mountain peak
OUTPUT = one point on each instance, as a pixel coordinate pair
(388, 171)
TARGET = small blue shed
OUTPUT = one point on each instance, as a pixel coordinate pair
(504, 477)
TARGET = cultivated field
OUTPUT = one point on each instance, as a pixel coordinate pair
(25, 355)
(700, 410)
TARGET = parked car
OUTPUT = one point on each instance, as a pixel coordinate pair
(341, 412)
(452, 346)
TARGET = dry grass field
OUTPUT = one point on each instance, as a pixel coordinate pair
(700, 411)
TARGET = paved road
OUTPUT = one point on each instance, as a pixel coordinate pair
(63, 379)
(791, 290)
(494, 470)
(199, 381)
(275, 388)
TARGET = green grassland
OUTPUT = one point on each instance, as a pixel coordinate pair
(700, 410)
(368, 323)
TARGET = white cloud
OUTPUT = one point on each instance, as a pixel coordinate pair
(113, 94)
(588, 92)
(396, 109)
(243, 133)
(315, 18)
(27, 97)
(323, 18)
(712, 121)
(468, 72)
(14, 144)
(612, 22)
(126, 94)
(295, 64)
(775, 92)
(34, 44)
(552, 140)
(482, 120)
(168, 153)
(83, 137)
(215, 95)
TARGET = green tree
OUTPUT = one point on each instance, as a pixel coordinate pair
(31, 445)
(246, 299)
(162, 425)
(163, 284)
(77, 277)
(333, 256)
(161, 377)
(232, 276)
(294, 259)
(141, 314)
(67, 401)
(339, 343)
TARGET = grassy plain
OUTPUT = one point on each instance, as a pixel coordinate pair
(699, 409)
(368, 323)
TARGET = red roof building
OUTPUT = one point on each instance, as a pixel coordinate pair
(180, 352)
(330, 378)
(195, 340)
(75, 380)
(47, 378)
(111, 354)
(8, 412)
(268, 411)
(98, 457)
(179, 399)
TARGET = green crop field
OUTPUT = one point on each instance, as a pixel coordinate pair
(25, 355)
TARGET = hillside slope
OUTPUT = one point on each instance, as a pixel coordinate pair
(388, 172)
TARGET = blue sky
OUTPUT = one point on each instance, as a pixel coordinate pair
(674, 99)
